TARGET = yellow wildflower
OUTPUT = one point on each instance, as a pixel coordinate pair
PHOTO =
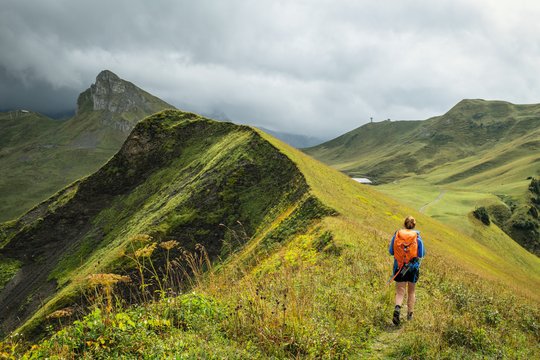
(146, 251)
(107, 279)
(142, 238)
(168, 245)
(66, 312)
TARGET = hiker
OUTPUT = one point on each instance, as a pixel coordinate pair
(407, 247)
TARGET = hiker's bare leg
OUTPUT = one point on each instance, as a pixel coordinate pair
(400, 292)
(411, 296)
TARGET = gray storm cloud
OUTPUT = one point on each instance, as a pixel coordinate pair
(314, 67)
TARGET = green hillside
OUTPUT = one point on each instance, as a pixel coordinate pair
(296, 268)
(22, 127)
(42, 155)
(478, 154)
(391, 150)
(172, 178)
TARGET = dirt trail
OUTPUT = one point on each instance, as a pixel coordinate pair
(439, 197)
(384, 344)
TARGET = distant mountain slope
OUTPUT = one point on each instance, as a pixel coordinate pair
(307, 279)
(20, 127)
(388, 151)
(480, 153)
(299, 141)
(40, 155)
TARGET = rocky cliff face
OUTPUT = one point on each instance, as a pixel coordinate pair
(120, 101)
(114, 94)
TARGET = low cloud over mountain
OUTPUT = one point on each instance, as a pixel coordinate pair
(317, 67)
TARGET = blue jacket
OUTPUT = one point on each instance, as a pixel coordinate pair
(421, 250)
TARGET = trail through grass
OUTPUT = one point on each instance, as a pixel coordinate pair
(439, 197)
(383, 345)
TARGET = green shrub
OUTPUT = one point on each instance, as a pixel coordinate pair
(534, 186)
(499, 214)
(491, 315)
(482, 214)
(195, 311)
(132, 332)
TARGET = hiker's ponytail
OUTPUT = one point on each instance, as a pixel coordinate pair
(410, 222)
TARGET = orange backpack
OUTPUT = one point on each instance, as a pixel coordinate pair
(405, 246)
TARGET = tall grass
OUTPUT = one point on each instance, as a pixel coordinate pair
(304, 301)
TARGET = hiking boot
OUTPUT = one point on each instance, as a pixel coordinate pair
(395, 319)
(409, 316)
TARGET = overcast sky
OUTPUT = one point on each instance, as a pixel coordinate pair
(319, 67)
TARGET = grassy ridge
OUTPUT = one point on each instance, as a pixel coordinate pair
(318, 290)
(20, 128)
(177, 176)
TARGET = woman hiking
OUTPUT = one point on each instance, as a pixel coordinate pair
(407, 247)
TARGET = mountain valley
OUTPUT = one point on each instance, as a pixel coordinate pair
(480, 154)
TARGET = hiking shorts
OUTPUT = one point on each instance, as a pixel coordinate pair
(410, 276)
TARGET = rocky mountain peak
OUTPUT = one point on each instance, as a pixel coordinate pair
(121, 103)
(114, 94)
(107, 75)
(107, 85)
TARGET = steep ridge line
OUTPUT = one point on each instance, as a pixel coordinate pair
(230, 174)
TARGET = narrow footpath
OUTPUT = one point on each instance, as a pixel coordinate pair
(439, 197)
